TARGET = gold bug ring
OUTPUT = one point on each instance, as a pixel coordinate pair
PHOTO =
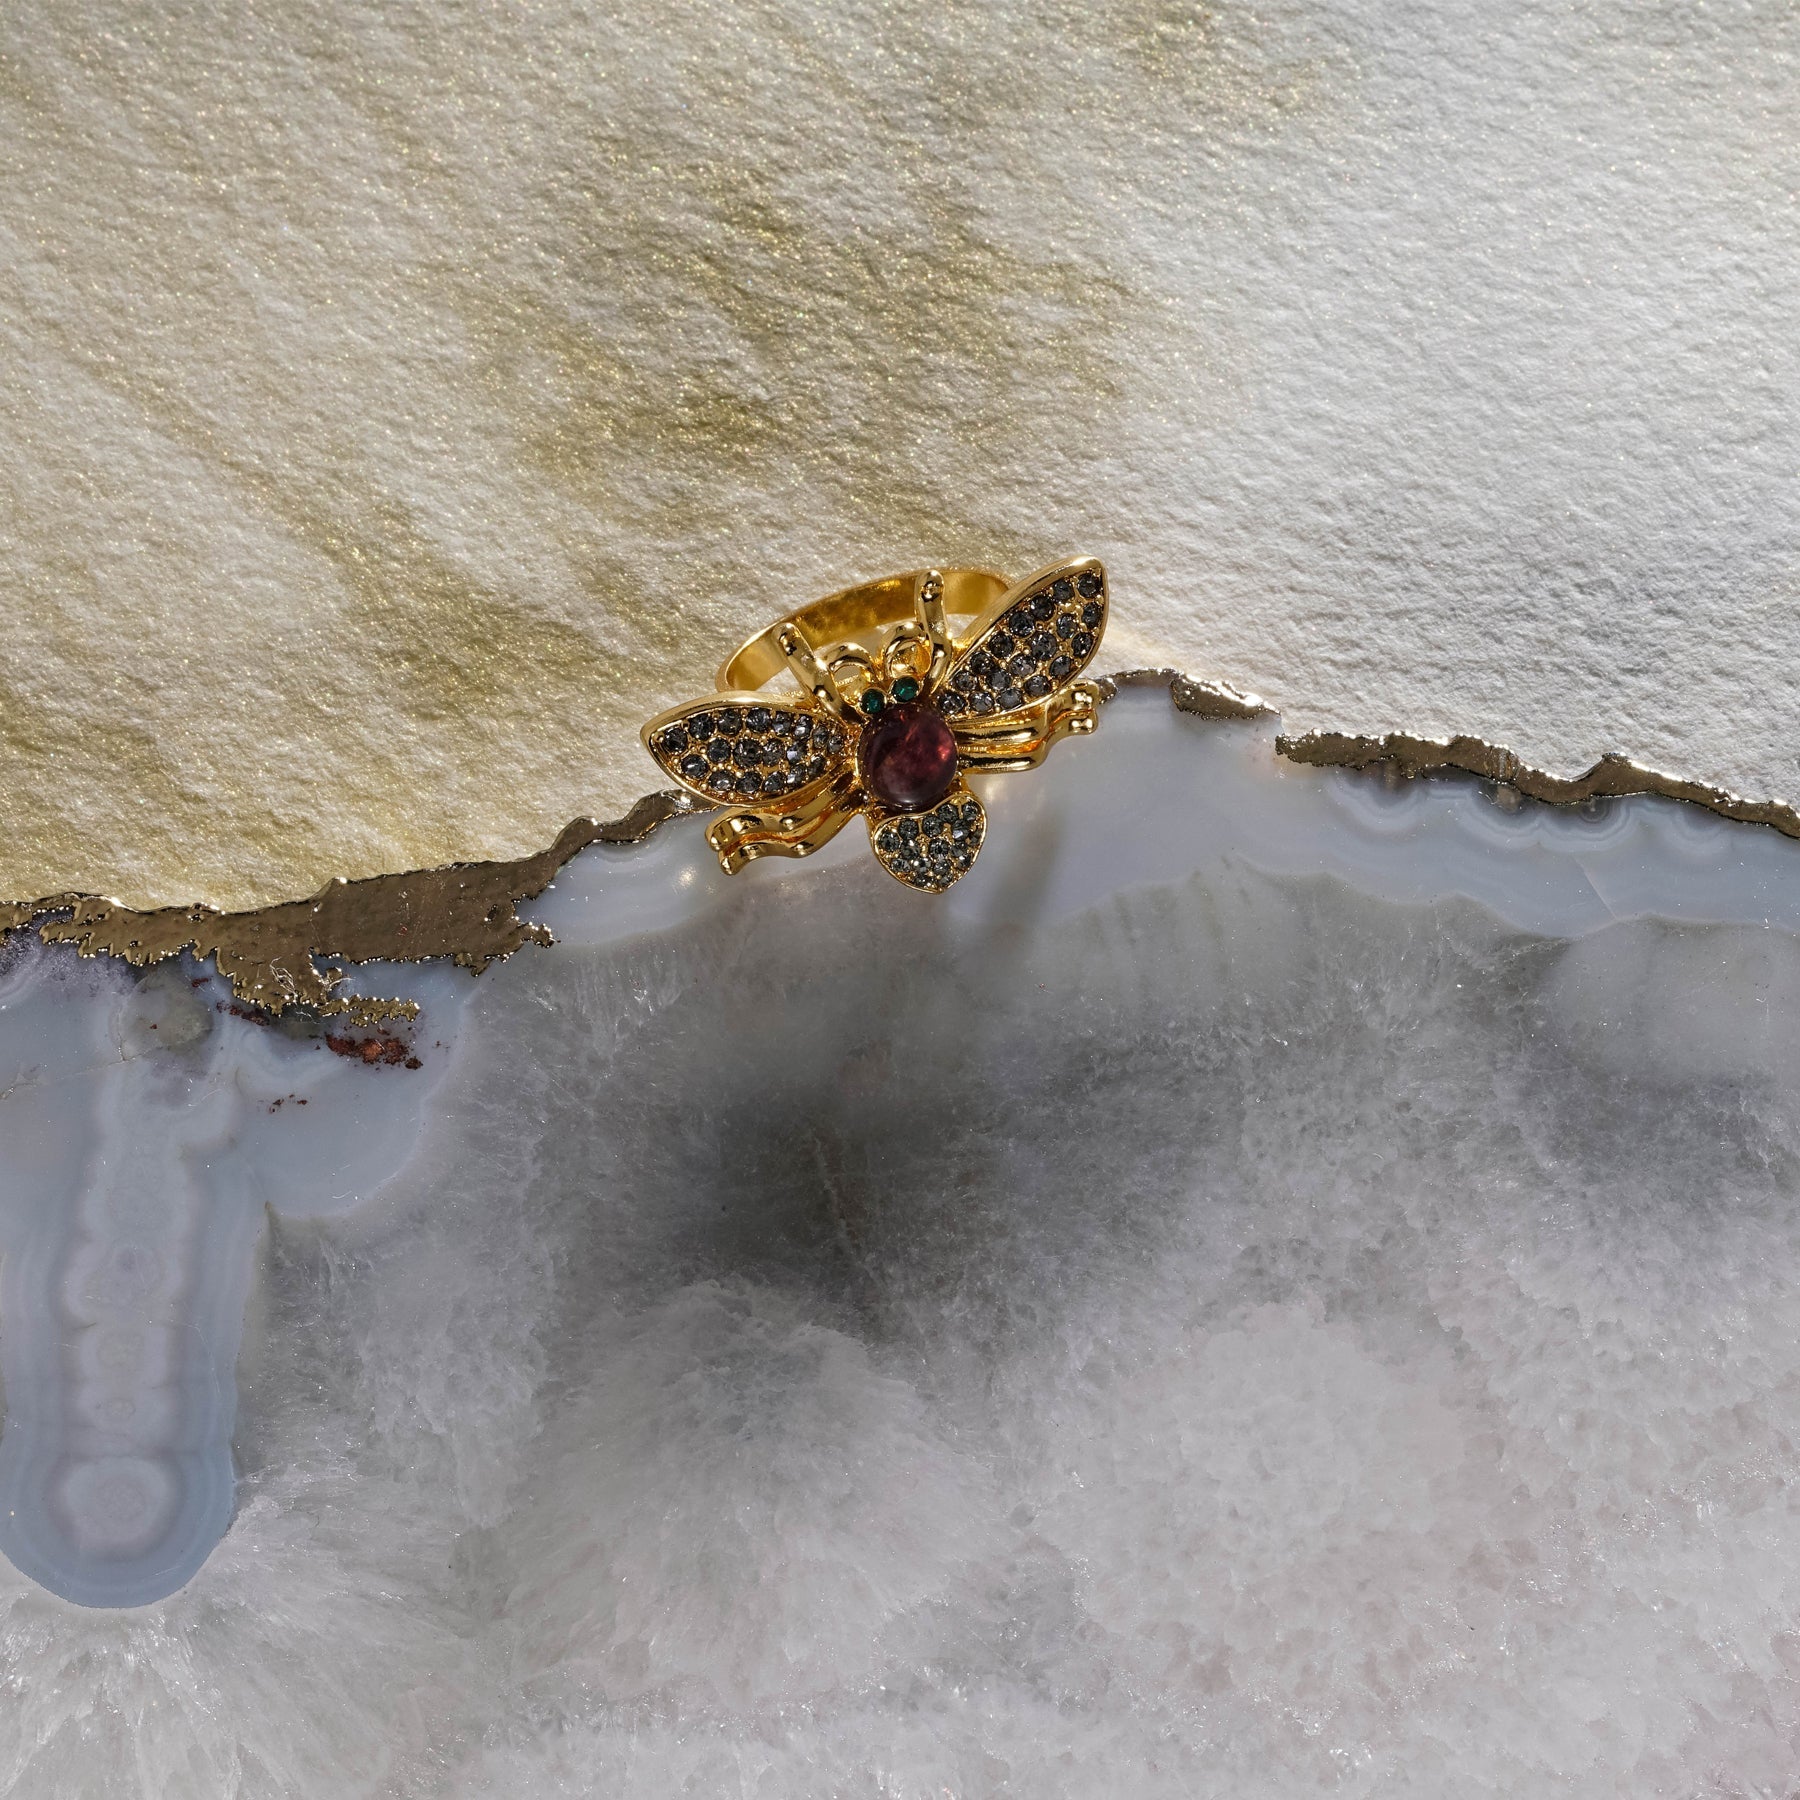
(894, 711)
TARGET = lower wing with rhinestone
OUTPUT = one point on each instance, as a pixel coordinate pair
(930, 849)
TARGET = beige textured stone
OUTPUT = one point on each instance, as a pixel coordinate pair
(398, 403)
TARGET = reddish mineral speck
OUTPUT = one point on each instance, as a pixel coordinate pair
(383, 1047)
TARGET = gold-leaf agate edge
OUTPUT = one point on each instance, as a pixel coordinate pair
(468, 912)
(271, 954)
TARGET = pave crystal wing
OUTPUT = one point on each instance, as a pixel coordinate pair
(930, 849)
(1035, 641)
(736, 749)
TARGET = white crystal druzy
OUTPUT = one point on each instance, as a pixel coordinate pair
(1276, 1283)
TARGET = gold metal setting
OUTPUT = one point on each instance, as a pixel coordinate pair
(893, 713)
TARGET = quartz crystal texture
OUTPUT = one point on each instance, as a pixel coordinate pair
(1280, 1281)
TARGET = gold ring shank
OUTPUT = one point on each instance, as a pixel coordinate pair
(852, 611)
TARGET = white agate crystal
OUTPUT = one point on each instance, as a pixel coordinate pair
(150, 1124)
(1277, 1279)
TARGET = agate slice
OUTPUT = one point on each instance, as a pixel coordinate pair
(150, 1125)
(807, 1076)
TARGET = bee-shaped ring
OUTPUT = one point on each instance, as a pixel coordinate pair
(894, 713)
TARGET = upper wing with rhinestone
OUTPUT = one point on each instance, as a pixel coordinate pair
(746, 750)
(1033, 644)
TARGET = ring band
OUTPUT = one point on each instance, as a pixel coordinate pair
(852, 611)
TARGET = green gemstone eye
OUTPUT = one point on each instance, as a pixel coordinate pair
(872, 701)
(906, 689)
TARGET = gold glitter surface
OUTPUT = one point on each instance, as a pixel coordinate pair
(399, 404)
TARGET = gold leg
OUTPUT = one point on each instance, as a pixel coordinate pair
(813, 672)
(741, 837)
(928, 603)
(1023, 739)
